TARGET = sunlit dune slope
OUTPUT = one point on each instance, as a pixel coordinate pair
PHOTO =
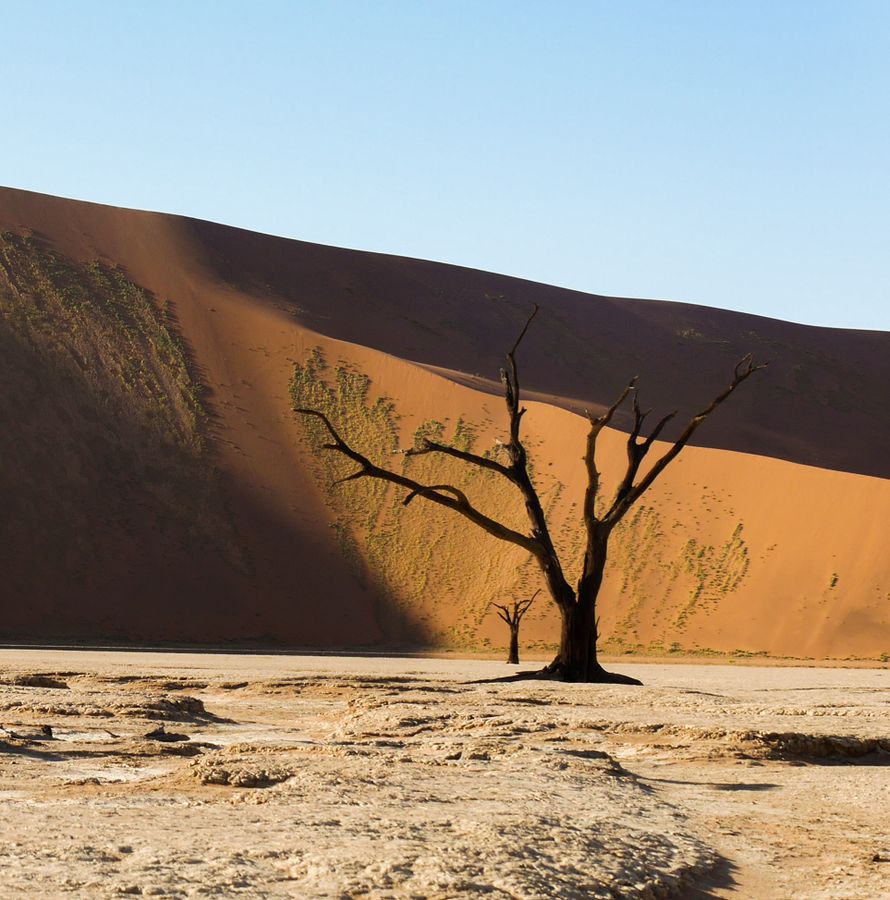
(158, 486)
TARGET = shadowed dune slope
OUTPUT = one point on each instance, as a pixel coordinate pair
(160, 488)
(821, 403)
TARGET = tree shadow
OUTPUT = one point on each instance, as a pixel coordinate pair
(875, 758)
(720, 877)
(36, 751)
(549, 673)
(31, 751)
(718, 785)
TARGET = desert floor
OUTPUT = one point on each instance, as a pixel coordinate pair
(174, 774)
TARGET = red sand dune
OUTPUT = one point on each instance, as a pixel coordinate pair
(773, 540)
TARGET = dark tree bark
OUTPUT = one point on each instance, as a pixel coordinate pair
(577, 656)
(513, 616)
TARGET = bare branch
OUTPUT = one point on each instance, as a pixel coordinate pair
(353, 477)
(639, 416)
(597, 423)
(636, 452)
(445, 495)
(510, 378)
(473, 458)
(743, 370)
(515, 346)
(521, 607)
(425, 490)
(745, 367)
(338, 441)
(549, 558)
(656, 431)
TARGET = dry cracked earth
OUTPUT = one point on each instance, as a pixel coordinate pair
(179, 775)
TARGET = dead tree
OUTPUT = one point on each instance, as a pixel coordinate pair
(577, 656)
(513, 616)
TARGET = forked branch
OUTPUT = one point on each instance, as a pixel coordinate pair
(597, 424)
(627, 492)
(513, 615)
(443, 494)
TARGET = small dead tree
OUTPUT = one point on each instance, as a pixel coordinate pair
(513, 616)
(577, 656)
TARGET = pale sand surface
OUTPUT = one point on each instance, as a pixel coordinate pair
(395, 777)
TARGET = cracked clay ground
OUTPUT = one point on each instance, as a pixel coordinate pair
(173, 775)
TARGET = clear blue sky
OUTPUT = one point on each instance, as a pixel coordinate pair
(734, 154)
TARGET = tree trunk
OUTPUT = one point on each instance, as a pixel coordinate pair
(513, 657)
(577, 659)
(577, 645)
